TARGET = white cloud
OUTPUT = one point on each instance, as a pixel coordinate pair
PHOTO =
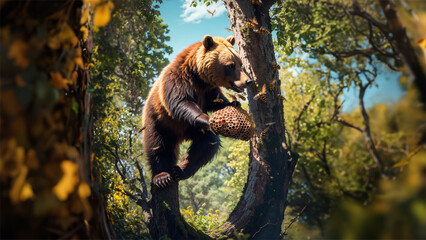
(196, 14)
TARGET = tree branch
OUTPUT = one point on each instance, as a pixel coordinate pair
(366, 129)
(305, 106)
(357, 10)
(117, 159)
(142, 181)
(348, 124)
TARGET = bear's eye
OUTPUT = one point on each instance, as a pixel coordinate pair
(230, 67)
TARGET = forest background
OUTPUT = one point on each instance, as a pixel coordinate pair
(362, 166)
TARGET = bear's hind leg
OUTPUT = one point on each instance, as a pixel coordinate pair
(201, 151)
(161, 155)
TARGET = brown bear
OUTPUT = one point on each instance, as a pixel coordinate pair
(178, 102)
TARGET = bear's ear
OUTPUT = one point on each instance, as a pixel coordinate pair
(231, 40)
(208, 42)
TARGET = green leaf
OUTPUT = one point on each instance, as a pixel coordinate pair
(74, 107)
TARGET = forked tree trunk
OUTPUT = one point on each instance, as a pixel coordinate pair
(260, 211)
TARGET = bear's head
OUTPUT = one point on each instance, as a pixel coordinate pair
(219, 65)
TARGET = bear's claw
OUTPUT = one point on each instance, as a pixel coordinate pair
(162, 179)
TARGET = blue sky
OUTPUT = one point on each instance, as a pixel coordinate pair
(188, 25)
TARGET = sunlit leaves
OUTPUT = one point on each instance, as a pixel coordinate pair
(396, 212)
(85, 32)
(102, 14)
(84, 190)
(63, 37)
(238, 161)
(128, 55)
(19, 53)
(69, 180)
(85, 15)
(58, 81)
(204, 222)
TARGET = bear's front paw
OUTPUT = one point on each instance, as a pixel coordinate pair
(177, 173)
(162, 179)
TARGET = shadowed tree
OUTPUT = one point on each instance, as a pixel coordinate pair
(46, 140)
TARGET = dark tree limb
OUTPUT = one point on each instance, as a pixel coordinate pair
(142, 200)
(271, 163)
(410, 58)
(348, 124)
(366, 129)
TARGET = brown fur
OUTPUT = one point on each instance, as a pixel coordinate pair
(177, 104)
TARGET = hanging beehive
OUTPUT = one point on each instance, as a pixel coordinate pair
(232, 122)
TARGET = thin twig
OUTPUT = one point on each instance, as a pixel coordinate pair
(294, 219)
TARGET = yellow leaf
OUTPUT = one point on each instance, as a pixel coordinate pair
(27, 192)
(18, 51)
(58, 81)
(74, 76)
(84, 190)
(110, 5)
(422, 43)
(85, 32)
(54, 42)
(69, 180)
(85, 15)
(89, 65)
(79, 62)
(68, 35)
(18, 182)
(102, 16)
(64, 37)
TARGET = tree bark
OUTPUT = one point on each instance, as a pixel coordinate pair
(367, 132)
(167, 220)
(406, 50)
(50, 128)
(260, 211)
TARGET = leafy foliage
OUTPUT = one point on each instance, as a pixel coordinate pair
(334, 47)
(219, 184)
(128, 56)
(203, 222)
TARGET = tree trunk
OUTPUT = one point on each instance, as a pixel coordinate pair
(46, 140)
(260, 211)
(411, 60)
(371, 146)
(167, 220)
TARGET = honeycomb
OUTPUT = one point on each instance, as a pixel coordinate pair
(232, 122)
